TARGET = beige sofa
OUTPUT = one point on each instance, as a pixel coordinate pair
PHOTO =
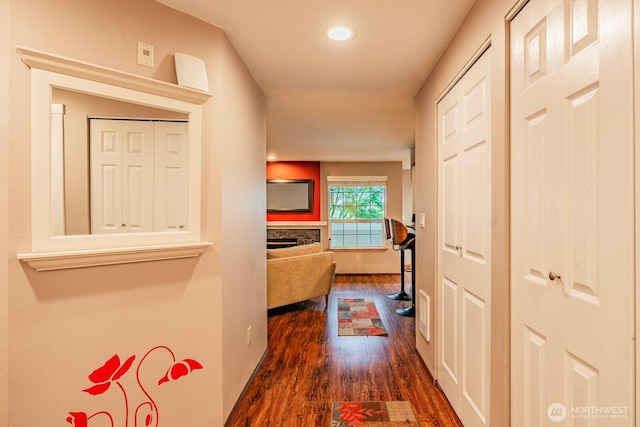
(298, 273)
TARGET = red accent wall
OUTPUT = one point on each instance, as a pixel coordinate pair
(296, 170)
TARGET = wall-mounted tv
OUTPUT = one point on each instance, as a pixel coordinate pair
(289, 195)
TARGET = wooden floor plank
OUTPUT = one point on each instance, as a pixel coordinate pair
(308, 366)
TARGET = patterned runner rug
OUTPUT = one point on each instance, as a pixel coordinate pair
(373, 414)
(359, 316)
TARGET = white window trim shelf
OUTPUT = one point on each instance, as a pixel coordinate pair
(77, 258)
(45, 261)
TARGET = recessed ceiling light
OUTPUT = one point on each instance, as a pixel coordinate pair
(340, 33)
(271, 157)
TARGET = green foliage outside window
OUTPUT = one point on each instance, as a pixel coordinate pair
(356, 214)
(356, 203)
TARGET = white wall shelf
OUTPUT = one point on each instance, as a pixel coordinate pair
(44, 261)
(71, 67)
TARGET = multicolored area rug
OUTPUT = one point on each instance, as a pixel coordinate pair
(373, 414)
(359, 316)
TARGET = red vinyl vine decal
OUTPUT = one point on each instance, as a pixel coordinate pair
(108, 376)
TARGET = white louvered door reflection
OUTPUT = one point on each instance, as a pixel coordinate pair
(572, 213)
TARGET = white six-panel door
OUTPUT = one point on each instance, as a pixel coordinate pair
(572, 246)
(464, 263)
(106, 176)
(171, 182)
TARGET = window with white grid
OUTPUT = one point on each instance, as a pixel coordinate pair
(356, 212)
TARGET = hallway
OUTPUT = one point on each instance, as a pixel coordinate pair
(307, 368)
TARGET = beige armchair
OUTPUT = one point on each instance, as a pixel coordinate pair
(298, 273)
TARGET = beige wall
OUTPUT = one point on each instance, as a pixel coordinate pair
(370, 260)
(4, 209)
(62, 325)
(407, 195)
(486, 20)
(240, 175)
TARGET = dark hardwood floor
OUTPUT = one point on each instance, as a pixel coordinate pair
(308, 366)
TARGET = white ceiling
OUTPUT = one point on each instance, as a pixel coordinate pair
(336, 101)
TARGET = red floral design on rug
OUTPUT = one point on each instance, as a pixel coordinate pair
(373, 414)
(359, 316)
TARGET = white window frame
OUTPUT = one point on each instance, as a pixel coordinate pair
(355, 181)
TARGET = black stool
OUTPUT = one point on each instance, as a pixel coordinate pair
(405, 239)
(397, 239)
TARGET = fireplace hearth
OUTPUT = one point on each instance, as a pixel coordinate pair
(277, 243)
(286, 237)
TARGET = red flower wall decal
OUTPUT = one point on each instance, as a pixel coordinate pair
(113, 370)
(81, 419)
(109, 372)
(78, 419)
(180, 369)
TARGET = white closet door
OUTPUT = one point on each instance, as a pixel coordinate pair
(464, 279)
(106, 176)
(121, 176)
(137, 178)
(172, 176)
(572, 271)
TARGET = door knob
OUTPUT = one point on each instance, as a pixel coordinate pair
(554, 276)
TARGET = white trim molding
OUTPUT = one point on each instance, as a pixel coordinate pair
(357, 178)
(296, 224)
(71, 67)
(45, 261)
